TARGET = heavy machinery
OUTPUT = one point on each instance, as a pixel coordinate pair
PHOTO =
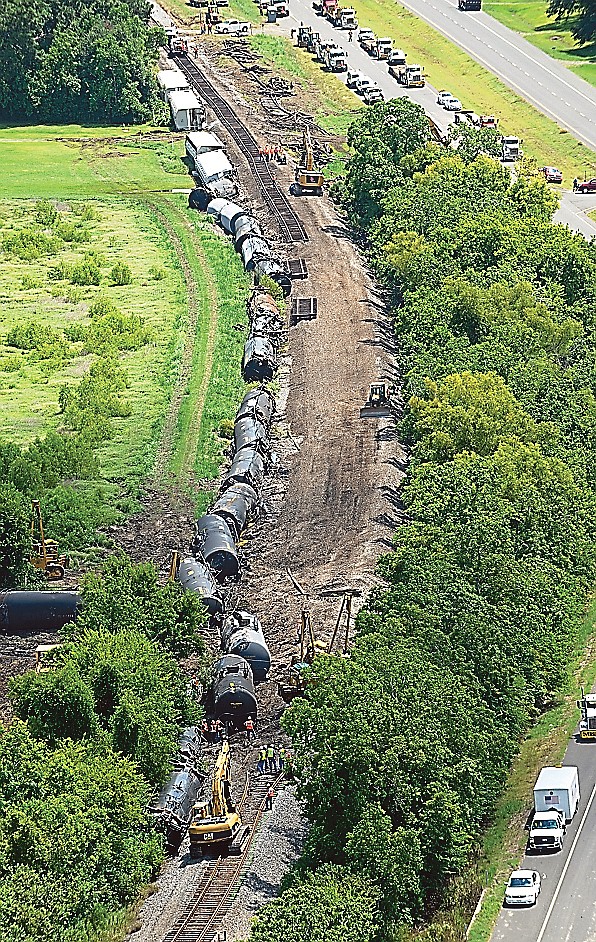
(378, 404)
(587, 708)
(294, 682)
(40, 650)
(511, 148)
(44, 553)
(216, 824)
(384, 48)
(308, 180)
(303, 34)
(411, 76)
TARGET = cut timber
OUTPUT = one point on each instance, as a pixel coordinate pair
(303, 309)
(296, 268)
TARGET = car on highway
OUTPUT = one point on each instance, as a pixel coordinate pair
(233, 26)
(397, 57)
(586, 186)
(552, 175)
(364, 35)
(372, 94)
(443, 96)
(363, 83)
(452, 104)
(523, 888)
(352, 79)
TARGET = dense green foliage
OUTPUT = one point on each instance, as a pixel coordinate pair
(403, 748)
(582, 14)
(72, 61)
(74, 845)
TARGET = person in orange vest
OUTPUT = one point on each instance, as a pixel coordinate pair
(250, 729)
(213, 731)
(205, 730)
(269, 799)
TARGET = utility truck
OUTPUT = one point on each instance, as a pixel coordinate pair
(345, 18)
(587, 723)
(410, 76)
(335, 59)
(556, 800)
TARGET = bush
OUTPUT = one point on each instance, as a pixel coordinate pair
(45, 213)
(29, 244)
(121, 274)
(86, 272)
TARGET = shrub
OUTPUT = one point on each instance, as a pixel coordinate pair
(32, 335)
(121, 274)
(86, 272)
(29, 244)
(45, 213)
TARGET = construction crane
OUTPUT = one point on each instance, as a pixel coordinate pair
(307, 178)
(216, 824)
(44, 553)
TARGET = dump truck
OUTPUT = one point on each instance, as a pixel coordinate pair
(587, 723)
(384, 48)
(410, 76)
(216, 824)
(511, 148)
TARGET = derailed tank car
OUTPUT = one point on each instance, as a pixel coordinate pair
(242, 634)
(28, 611)
(235, 505)
(258, 403)
(215, 543)
(195, 576)
(172, 809)
(250, 433)
(233, 691)
(247, 467)
(259, 362)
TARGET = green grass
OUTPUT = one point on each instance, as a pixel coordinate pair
(505, 841)
(40, 162)
(529, 18)
(446, 66)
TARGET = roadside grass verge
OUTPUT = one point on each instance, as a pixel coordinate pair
(529, 18)
(446, 66)
(505, 841)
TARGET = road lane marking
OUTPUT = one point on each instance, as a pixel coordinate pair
(565, 868)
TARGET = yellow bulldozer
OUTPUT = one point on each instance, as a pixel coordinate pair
(44, 553)
(307, 180)
(216, 824)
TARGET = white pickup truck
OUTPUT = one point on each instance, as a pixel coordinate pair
(233, 26)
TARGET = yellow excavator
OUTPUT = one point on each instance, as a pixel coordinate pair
(216, 824)
(44, 553)
(307, 178)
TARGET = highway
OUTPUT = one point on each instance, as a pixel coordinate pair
(573, 208)
(543, 81)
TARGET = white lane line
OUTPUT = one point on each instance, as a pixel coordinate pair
(565, 868)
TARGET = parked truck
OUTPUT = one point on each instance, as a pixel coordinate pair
(335, 59)
(347, 18)
(556, 800)
(411, 76)
(384, 48)
(304, 33)
(587, 723)
(469, 5)
(511, 148)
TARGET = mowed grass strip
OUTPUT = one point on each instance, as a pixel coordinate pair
(529, 18)
(446, 66)
(41, 162)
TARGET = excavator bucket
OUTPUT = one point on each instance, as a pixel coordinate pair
(378, 405)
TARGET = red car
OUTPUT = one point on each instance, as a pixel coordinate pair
(552, 175)
(586, 186)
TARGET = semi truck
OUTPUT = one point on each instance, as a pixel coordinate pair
(587, 723)
(411, 76)
(469, 5)
(384, 48)
(335, 59)
(511, 148)
(556, 800)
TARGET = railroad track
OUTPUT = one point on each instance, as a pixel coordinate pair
(290, 226)
(213, 897)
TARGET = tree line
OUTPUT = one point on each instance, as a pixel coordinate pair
(403, 748)
(68, 60)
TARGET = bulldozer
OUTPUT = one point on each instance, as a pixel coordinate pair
(378, 404)
(216, 824)
(307, 180)
(44, 553)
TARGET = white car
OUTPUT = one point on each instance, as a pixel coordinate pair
(523, 888)
(233, 26)
(363, 83)
(452, 104)
(443, 96)
(372, 94)
(352, 79)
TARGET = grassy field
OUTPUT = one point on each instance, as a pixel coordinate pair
(529, 18)
(448, 67)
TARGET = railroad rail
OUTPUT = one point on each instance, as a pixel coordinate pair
(213, 897)
(290, 226)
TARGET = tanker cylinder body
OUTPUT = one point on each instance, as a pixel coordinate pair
(228, 216)
(245, 227)
(242, 634)
(258, 403)
(261, 302)
(172, 809)
(24, 611)
(195, 576)
(235, 505)
(250, 433)
(217, 547)
(233, 691)
(247, 467)
(259, 362)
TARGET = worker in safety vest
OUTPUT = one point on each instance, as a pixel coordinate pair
(269, 799)
(250, 729)
(282, 759)
(262, 760)
(271, 758)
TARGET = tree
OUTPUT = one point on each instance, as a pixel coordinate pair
(471, 142)
(15, 536)
(582, 14)
(57, 704)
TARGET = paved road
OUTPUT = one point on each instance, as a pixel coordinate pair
(572, 211)
(543, 81)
